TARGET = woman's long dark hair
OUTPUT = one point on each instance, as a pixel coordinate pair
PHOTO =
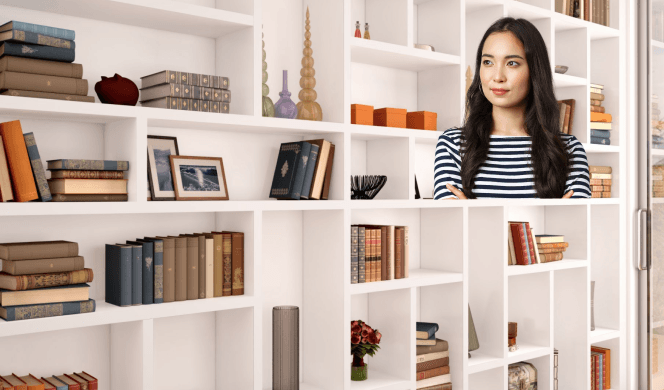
(550, 160)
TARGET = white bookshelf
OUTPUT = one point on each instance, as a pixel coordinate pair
(297, 253)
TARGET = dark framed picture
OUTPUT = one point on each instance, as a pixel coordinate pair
(199, 178)
(160, 178)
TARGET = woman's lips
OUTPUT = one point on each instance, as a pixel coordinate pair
(499, 92)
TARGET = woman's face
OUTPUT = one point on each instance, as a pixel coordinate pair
(504, 71)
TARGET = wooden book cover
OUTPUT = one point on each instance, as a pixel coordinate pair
(147, 270)
(328, 174)
(169, 268)
(361, 254)
(571, 103)
(26, 267)
(180, 268)
(37, 167)
(93, 383)
(432, 364)
(158, 266)
(136, 274)
(55, 382)
(43, 67)
(389, 247)
(88, 186)
(398, 268)
(69, 382)
(90, 197)
(192, 266)
(77, 292)
(118, 275)
(5, 180)
(15, 381)
(43, 83)
(37, 250)
(18, 160)
(436, 380)
(32, 382)
(430, 373)
(320, 168)
(82, 382)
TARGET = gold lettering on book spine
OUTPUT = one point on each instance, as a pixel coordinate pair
(41, 311)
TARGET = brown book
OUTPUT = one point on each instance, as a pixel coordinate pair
(553, 245)
(202, 248)
(227, 252)
(548, 257)
(397, 253)
(383, 252)
(4, 385)
(599, 169)
(43, 83)
(32, 382)
(328, 174)
(20, 168)
(596, 96)
(389, 256)
(369, 248)
(430, 373)
(597, 108)
(66, 174)
(192, 266)
(444, 386)
(209, 265)
(562, 109)
(441, 346)
(432, 364)
(88, 186)
(49, 95)
(571, 103)
(551, 250)
(218, 264)
(30, 282)
(81, 382)
(596, 103)
(378, 276)
(47, 385)
(73, 385)
(42, 67)
(89, 197)
(33, 250)
(568, 111)
(320, 168)
(15, 381)
(405, 262)
(237, 263)
(60, 264)
(169, 268)
(5, 181)
(607, 357)
(53, 381)
(180, 268)
(93, 383)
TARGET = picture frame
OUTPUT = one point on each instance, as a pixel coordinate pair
(160, 179)
(199, 178)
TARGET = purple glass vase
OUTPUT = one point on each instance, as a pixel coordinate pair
(285, 107)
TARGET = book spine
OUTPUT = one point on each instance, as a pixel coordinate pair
(218, 265)
(298, 180)
(158, 292)
(148, 273)
(328, 174)
(37, 167)
(354, 251)
(389, 248)
(202, 266)
(227, 266)
(41, 39)
(90, 165)
(397, 254)
(432, 364)
(406, 253)
(382, 271)
(433, 372)
(361, 254)
(192, 268)
(137, 275)
(26, 267)
(169, 270)
(41, 250)
(599, 169)
(181, 268)
(237, 263)
(600, 133)
(19, 162)
(45, 30)
(531, 243)
(209, 266)
(17, 313)
(309, 173)
(370, 255)
(39, 52)
(600, 141)
(522, 245)
(31, 282)
(62, 174)
(43, 67)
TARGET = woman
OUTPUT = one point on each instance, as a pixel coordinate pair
(511, 140)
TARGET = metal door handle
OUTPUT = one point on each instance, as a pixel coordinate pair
(639, 236)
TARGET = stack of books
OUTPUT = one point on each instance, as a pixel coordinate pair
(303, 170)
(75, 180)
(656, 124)
(73, 381)
(186, 91)
(550, 247)
(566, 109)
(600, 181)
(595, 11)
(433, 359)
(175, 268)
(600, 121)
(658, 181)
(37, 61)
(43, 279)
(525, 248)
(378, 252)
(600, 368)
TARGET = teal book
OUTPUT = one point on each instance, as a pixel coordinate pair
(38, 171)
(136, 273)
(40, 52)
(147, 266)
(426, 330)
(600, 141)
(20, 36)
(88, 165)
(39, 29)
(118, 274)
(158, 251)
(309, 172)
(25, 312)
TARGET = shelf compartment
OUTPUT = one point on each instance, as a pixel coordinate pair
(479, 362)
(492, 379)
(527, 352)
(386, 156)
(428, 29)
(517, 9)
(572, 51)
(565, 80)
(168, 15)
(378, 380)
(416, 278)
(545, 267)
(389, 55)
(529, 305)
(603, 334)
(596, 148)
(606, 266)
(616, 359)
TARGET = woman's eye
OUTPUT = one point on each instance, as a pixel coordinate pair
(486, 62)
(513, 62)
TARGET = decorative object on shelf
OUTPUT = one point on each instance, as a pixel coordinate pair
(285, 107)
(285, 348)
(390, 117)
(117, 90)
(417, 189)
(198, 178)
(473, 341)
(555, 369)
(366, 186)
(361, 114)
(160, 180)
(422, 120)
(363, 340)
(522, 375)
(366, 31)
(511, 336)
(424, 46)
(592, 305)
(358, 33)
(561, 69)
(268, 105)
(308, 108)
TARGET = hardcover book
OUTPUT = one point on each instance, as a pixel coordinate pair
(48, 95)
(73, 385)
(43, 67)
(88, 186)
(53, 383)
(119, 275)
(425, 330)
(237, 263)
(309, 172)
(192, 266)
(64, 174)
(81, 382)
(184, 104)
(600, 141)
(34, 281)
(169, 268)
(202, 266)
(23, 181)
(136, 274)
(443, 386)
(39, 29)
(77, 292)
(146, 256)
(185, 91)
(32, 382)
(171, 76)
(158, 281)
(90, 165)
(59, 264)
(441, 346)
(289, 171)
(432, 372)
(37, 51)
(227, 252)
(5, 182)
(90, 197)
(17, 313)
(431, 356)
(328, 173)
(436, 380)
(20, 36)
(429, 341)
(361, 254)
(93, 383)
(324, 148)
(37, 167)
(432, 364)
(354, 260)
(33, 250)
(15, 381)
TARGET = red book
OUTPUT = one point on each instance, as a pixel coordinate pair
(73, 385)
(519, 244)
(81, 382)
(607, 367)
(433, 372)
(93, 383)
(531, 243)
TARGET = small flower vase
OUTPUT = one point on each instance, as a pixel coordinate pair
(285, 107)
(359, 372)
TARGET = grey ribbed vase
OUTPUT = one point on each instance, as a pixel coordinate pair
(285, 348)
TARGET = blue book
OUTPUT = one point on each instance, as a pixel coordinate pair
(118, 274)
(600, 141)
(148, 270)
(600, 133)
(37, 51)
(426, 330)
(19, 36)
(309, 172)
(57, 383)
(158, 268)
(136, 273)
(38, 171)
(25, 312)
(39, 29)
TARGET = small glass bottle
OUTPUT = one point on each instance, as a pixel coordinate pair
(366, 31)
(358, 33)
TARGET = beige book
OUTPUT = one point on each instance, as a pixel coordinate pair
(432, 356)
(192, 266)
(43, 67)
(537, 253)
(49, 95)
(425, 342)
(202, 265)
(390, 252)
(436, 380)
(218, 265)
(511, 245)
(88, 186)
(5, 182)
(41, 296)
(601, 175)
(180, 268)
(600, 126)
(209, 267)
(60, 264)
(319, 169)
(42, 83)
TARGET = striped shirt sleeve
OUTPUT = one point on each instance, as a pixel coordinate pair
(447, 164)
(578, 178)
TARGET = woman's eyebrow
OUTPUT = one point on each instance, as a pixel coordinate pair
(506, 57)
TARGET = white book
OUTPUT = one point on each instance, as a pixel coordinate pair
(436, 380)
(432, 356)
(209, 268)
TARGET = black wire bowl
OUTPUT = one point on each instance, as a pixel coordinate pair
(366, 186)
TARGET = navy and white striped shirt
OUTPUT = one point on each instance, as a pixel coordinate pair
(505, 173)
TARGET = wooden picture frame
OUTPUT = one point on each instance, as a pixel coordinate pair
(156, 193)
(195, 182)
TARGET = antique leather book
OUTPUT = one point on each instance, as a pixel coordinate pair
(37, 250)
(320, 168)
(169, 268)
(32, 382)
(15, 381)
(328, 174)
(192, 266)
(209, 265)
(77, 292)
(43, 67)
(119, 275)
(88, 165)
(136, 273)
(56, 383)
(93, 383)
(432, 364)
(441, 346)
(82, 382)
(430, 373)
(60, 264)
(147, 268)
(43, 83)
(158, 273)
(37, 167)
(23, 181)
(49, 95)
(73, 385)
(88, 186)
(237, 263)
(41, 52)
(180, 268)
(90, 197)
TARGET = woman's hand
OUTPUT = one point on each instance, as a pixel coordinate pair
(455, 191)
(568, 195)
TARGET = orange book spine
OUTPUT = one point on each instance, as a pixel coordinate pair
(600, 117)
(20, 169)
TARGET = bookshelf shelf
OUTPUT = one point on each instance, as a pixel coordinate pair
(416, 278)
(564, 80)
(603, 334)
(479, 362)
(379, 380)
(545, 267)
(527, 352)
(390, 55)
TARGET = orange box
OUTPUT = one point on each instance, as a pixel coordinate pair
(390, 117)
(422, 120)
(361, 114)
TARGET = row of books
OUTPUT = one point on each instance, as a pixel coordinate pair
(378, 252)
(433, 358)
(601, 179)
(595, 11)
(566, 111)
(73, 381)
(600, 368)
(43, 279)
(175, 268)
(177, 90)
(600, 120)
(525, 248)
(303, 170)
(37, 61)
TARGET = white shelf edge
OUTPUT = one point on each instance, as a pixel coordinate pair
(479, 362)
(378, 380)
(416, 278)
(527, 352)
(603, 334)
(546, 267)
(364, 51)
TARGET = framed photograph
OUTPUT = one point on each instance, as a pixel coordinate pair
(199, 178)
(160, 178)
